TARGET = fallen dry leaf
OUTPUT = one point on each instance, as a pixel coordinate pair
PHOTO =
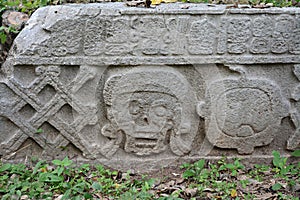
(24, 197)
(169, 1)
(208, 190)
(59, 197)
(185, 7)
(180, 180)
(190, 192)
(265, 196)
(135, 3)
(175, 174)
(233, 193)
(157, 2)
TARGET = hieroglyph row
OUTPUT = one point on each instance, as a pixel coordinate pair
(167, 35)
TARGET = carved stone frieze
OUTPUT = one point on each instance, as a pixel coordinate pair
(217, 37)
(138, 88)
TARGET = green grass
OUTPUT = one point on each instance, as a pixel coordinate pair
(202, 179)
(61, 177)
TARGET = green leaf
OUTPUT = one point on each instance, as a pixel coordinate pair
(57, 162)
(276, 186)
(12, 30)
(38, 131)
(60, 171)
(276, 159)
(19, 193)
(185, 165)
(54, 178)
(234, 173)
(96, 186)
(85, 167)
(3, 37)
(44, 2)
(66, 162)
(48, 177)
(88, 196)
(37, 167)
(3, 190)
(2, 9)
(296, 153)
(238, 164)
(79, 197)
(114, 173)
(66, 195)
(5, 167)
(43, 177)
(200, 164)
(230, 166)
(151, 182)
(188, 173)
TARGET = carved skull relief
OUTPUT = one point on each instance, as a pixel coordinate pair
(153, 114)
(149, 106)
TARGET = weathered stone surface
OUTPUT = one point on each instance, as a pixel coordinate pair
(151, 106)
(137, 88)
(242, 112)
(294, 140)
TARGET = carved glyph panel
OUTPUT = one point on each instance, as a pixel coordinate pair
(242, 113)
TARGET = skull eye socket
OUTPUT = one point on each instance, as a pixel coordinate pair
(160, 111)
(135, 107)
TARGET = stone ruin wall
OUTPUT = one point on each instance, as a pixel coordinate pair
(144, 88)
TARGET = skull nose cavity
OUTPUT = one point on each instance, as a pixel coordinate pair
(145, 119)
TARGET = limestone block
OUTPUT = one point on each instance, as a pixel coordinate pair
(138, 88)
(294, 140)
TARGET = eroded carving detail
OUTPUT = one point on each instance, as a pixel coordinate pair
(295, 46)
(202, 37)
(242, 113)
(283, 34)
(43, 103)
(67, 42)
(94, 40)
(262, 31)
(107, 36)
(294, 140)
(162, 35)
(148, 29)
(175, 43)
(149, 109)
(222, 37)
(238, 34)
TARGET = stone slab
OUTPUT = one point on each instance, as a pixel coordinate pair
(137, 88)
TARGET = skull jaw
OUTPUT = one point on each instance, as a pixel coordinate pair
(145, 145)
